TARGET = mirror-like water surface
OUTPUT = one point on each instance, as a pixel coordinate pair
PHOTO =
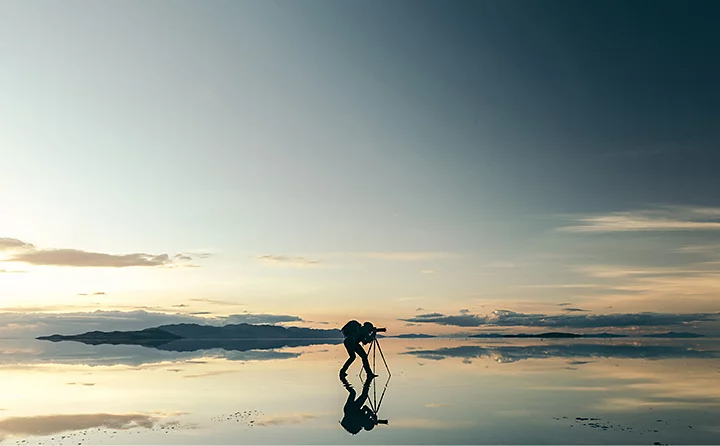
(440, 392)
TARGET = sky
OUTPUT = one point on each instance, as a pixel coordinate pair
(431, 166)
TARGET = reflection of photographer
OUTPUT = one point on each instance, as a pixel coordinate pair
(356, 415)
(355, 334)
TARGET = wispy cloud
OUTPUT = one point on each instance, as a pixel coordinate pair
(429, 423)
(281, 260)
(502, 265)
(570, 309)
(429, 315)
(669, 218)
(78, 258)
(408, 256)
(211, 373)
(513, 353)
(428, 271)
(250, 318)
(7, 271)
(562, 286)
(26, 324)
(214, 302)
(699, 249)
(280, 419)
(24, 252)
(7, 244)
(53, 424)
(508, 318)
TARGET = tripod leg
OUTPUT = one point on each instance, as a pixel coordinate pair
(383, 358)
(379, 403)
(375, 408)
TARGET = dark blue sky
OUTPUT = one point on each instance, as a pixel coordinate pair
(589, 106)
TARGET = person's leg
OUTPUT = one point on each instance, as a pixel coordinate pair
(351, 356)
(361, 352)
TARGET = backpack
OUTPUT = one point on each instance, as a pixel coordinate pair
(351, 328)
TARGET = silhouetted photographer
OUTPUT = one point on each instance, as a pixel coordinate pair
(355, 334)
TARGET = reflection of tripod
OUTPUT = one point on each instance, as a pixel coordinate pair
(374, 402)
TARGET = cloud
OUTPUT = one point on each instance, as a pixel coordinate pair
(214, 302)
(506, 318)
(287, 260)
(429, 423)
(405, 299)
(54, 424)
(211, 373)
(512, 353)
(78, 258)
(27, 354)
(29, 254)
(464, 311)
(249, 318)
(463, 320)
(408, 256)
(501, 265)
(428, 271)
(8, 244)
(280, 419)
(574, 309)
(5, 271)
(429, 315)
(27, 324)
(699, 249)
(669, 218)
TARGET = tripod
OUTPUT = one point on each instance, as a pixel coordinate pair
(374, 348)
(374, 402)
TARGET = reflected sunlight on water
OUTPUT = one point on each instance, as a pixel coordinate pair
(441, 391)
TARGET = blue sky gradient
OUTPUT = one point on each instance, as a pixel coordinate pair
(323, 158)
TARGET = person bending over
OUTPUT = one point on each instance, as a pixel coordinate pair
(355, 334)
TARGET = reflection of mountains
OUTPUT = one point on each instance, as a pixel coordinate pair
(512, 353)
(193, 337)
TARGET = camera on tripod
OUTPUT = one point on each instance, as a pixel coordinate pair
(375, 330)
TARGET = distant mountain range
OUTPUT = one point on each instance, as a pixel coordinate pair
(192, 337)
(243, 337)
(409, 336)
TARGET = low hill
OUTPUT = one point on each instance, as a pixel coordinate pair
(190, 337)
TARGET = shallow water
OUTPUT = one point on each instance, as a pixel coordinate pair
(440, 392)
